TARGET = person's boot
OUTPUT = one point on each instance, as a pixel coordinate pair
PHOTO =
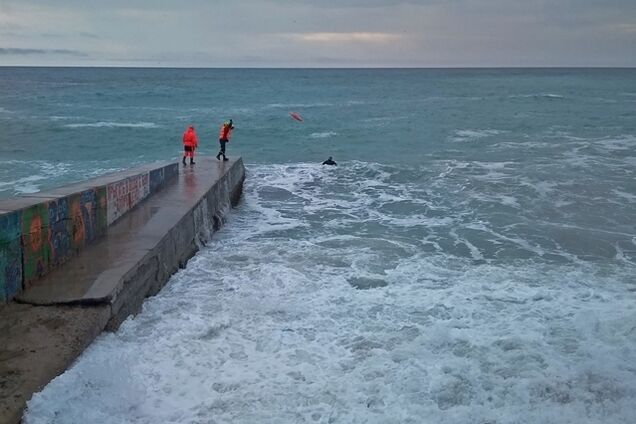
(192, 161)
(184, 161)
(218, 156)
(225, 158)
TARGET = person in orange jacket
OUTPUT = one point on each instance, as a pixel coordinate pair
(224, 137)
(190, 143)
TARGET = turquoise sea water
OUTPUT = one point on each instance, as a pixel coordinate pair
(471, 259)
(85, 121)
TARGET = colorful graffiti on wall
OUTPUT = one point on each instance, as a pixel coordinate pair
(138, 188)
(118, 202)
(101, 216)
(124, 195)
(59, 234)
(36, 251)
(10, 256)
(40, 238)
(52, 231)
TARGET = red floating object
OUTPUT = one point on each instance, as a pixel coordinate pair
(296, 116)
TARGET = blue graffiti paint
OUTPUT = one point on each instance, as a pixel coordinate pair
(10, 256)
(59, 237)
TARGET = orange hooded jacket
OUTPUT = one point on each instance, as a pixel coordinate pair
(190, 138)
(225, 133)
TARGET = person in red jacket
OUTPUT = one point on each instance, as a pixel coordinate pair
(224, 137)
(190, 143)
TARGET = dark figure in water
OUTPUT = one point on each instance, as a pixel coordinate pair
(330, 161)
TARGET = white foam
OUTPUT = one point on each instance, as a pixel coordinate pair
(264, 324)
(538, 95)
(296, 105)
(109, 124)
(63, 118)
(24, 180)
(626, 142)
(629, 197)
(49, 174)
(325, 134)
(471, 135)
(42, 171)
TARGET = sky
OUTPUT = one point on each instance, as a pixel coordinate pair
(327, 33)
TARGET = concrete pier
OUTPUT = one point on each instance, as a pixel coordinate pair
(57, 316)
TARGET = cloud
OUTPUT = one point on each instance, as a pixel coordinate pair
(347, 37)
(625, 28)
(18, 51)
(279, 33)
(89, 35)
(338, 4)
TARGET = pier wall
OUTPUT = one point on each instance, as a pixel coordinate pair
(52, 321)
(41, 231)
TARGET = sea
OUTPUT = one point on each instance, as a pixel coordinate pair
(471, 258)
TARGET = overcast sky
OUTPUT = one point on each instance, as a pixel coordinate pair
(318, 33)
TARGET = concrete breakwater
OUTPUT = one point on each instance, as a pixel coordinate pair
(41, 231)
(98, 286)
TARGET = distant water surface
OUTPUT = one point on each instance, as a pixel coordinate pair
(471, 259)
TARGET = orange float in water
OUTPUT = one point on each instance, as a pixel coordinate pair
(296, 116)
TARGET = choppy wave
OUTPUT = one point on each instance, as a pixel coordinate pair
(538, 95)
(45, 174)
(23, 185)
(109, 124)
(325, 134)
(314, 304)
(63, 118)
(297, 105)
(41, 171)
(470, 135)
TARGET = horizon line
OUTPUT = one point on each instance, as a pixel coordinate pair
(316, 67)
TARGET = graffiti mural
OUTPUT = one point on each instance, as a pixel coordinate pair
(101, 213)
(138, 188)
(36, 251)
(10, 256)
(117, 200)
(42, 237)
(59, 232)
(124, 195)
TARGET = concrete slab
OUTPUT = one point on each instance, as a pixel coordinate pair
(97, 273)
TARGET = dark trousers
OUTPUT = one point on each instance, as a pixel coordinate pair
(222, 151)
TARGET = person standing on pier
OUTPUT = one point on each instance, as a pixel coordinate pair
(224, 137)
(190, 143)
